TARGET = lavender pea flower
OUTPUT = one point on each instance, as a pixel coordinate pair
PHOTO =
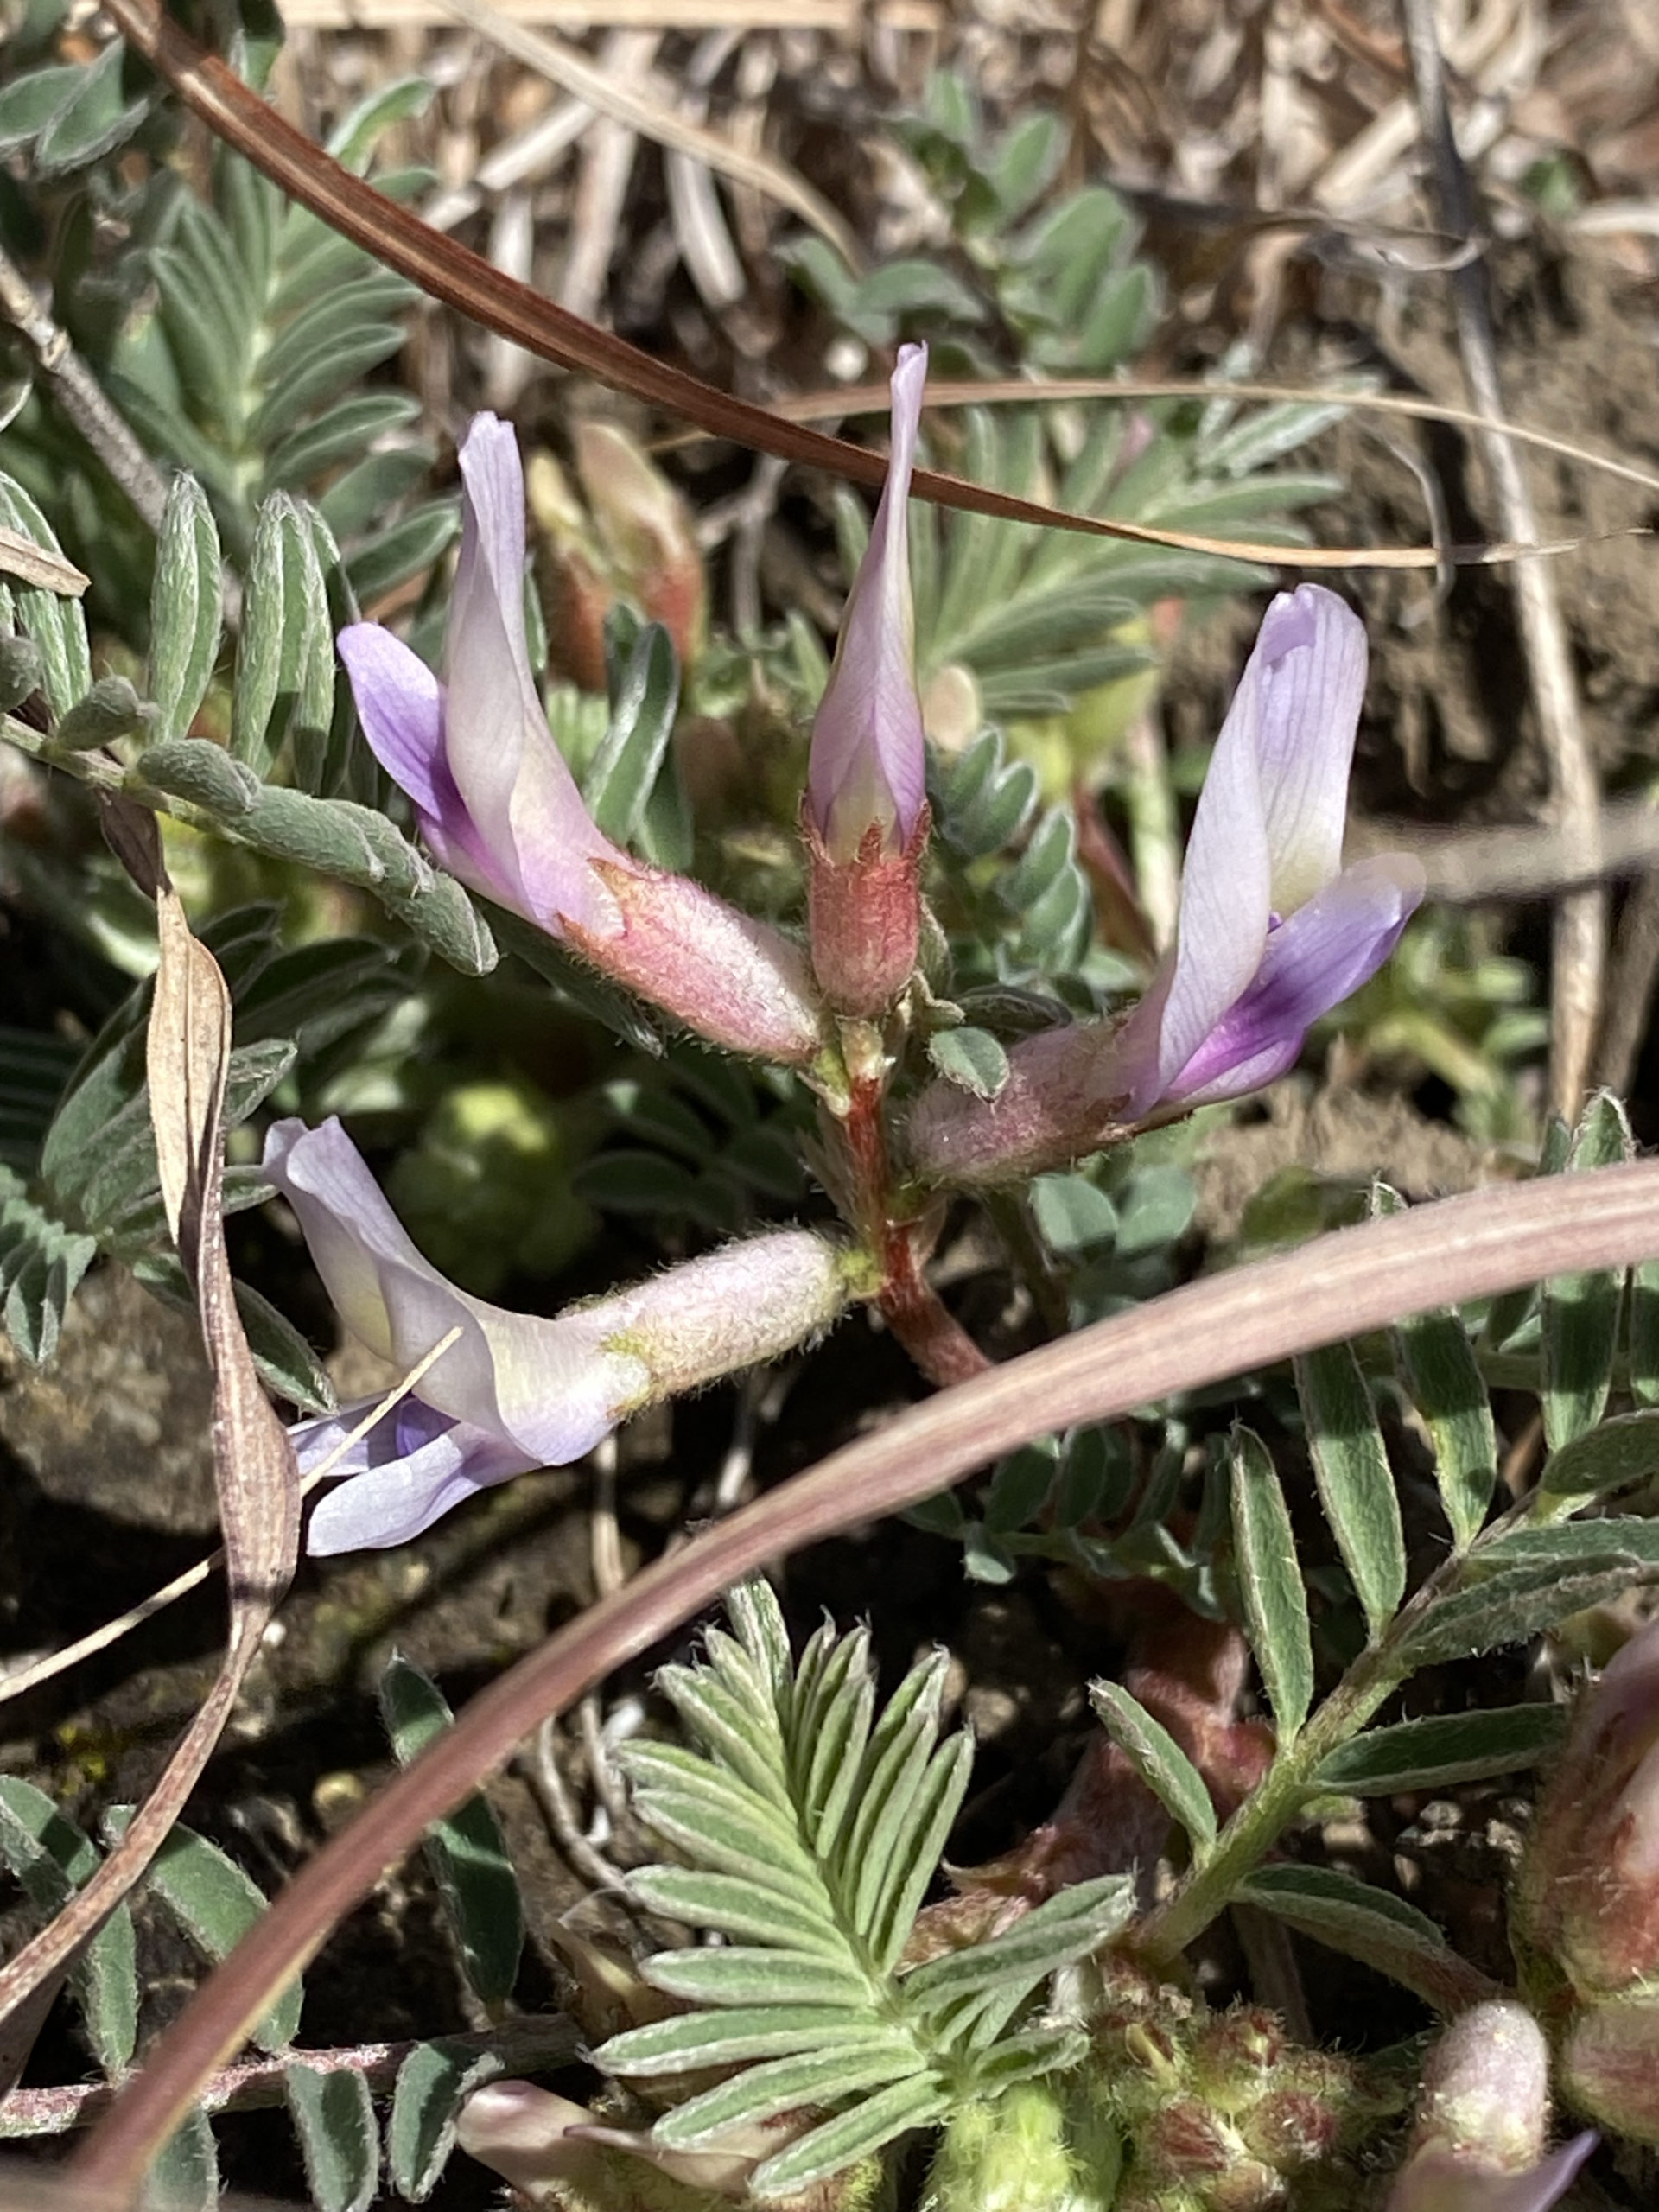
(1272, 930)
(864, 816)
(515, 1391)
(1482, 2121)
(499, 808)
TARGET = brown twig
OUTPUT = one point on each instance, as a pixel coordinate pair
(256, 2084)
(1579, 937)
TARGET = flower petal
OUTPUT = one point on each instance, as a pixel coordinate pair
(1327, 949)
(1308, 671)
(1226, 907)
(549, 1388)
(400, 704)
(390, 1502)
(1440, 2181)
(526, 812)
(869, 760)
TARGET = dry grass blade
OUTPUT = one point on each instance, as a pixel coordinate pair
(613, 95)
(30, 563)
(189, 1049)
(189, 1053)
(463, 280)
(1003, 391)
(1342, 1285)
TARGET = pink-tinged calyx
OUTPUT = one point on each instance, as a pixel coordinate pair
(868, 766)
(1588, 1893)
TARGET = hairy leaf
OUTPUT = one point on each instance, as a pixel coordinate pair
(1270, 1583)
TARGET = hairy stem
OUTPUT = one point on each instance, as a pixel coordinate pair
(912, 1309)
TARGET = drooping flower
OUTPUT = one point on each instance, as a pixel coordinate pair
(499, 808)
(1483, 2119)
(516, 1390)
(1272, 930)
(1588, 1894)
(865, 810)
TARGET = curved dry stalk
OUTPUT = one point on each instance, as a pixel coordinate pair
(1342, 1285)
(1003, 391)
(448, 271)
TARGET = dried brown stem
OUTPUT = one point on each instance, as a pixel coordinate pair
(447, 270)
(256, 2084)
(1579, 937)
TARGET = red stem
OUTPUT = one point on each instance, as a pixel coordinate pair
(912, 1309)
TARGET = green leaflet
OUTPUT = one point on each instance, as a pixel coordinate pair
(812, 1823)
(1355, 1481)
(1270, 1582)
(465, 1850)
(1580, 1312)
(1367, 1924)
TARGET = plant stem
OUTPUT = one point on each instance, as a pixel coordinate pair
(1260, 1820)
(526, 2045)
(912, 1309)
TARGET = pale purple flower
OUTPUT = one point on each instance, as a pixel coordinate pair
(499, 806)
(1483, 2119)
(516, 1390)
(1272, 930)
(867, 763)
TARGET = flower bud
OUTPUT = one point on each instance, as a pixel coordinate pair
(577, 589)
(864, 814)
(1483, 2119)
(1588, 1895)
(647, 531)
(1016, 2154)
